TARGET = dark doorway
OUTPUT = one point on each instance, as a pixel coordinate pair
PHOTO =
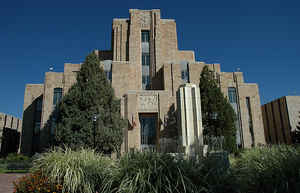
(148, 122)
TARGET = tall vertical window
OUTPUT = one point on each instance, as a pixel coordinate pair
(148, 124)
(145, 59)
(232, 96)
(185, 74)
(37, 123)
(250, 121)
(57, 95)
(145, 36)
(107, 69)
(37, 115)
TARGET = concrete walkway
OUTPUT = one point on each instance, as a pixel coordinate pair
(6, 182)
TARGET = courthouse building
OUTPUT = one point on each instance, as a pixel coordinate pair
(146, 69)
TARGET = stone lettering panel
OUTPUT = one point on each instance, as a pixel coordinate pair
(147, 103)
(145, 19)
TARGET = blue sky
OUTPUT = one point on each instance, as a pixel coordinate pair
(261, 37)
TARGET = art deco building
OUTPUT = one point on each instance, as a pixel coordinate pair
(281, 118)
(146, 69)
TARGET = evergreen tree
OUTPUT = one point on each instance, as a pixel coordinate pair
(218, 115)
(91, 95)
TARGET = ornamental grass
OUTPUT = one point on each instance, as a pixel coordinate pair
(274, 169)
(78, 171)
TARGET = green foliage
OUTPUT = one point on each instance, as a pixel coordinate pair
(269, 169)
(14, 157)
(264, 170)
(218, 116)
(92, 94)
(86, 171)
(36, 183)
(153, 172)
(78, 171)
(17, 163)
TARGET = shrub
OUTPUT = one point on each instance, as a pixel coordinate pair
(36, 183)
(14, 157)
(18, 165)
(2, 160)
(269, 169)
(78, 171)
(15, 163)
(153, 172)
(85, 171)
(217, 175)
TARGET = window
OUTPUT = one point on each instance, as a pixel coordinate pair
(148, 129)
(232, 95)
(145, 36)
(145, 60)
(250, 121)
(146, 82)
(107, 69)
(57, 96)
(185, 75)
(39, 106)
(38, 115)
(145, 72)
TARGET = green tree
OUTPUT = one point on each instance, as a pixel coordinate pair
(91, 94)
(218, 115)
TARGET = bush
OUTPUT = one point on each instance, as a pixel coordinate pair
(36, 183)
(153, 172)
(15, 163)
(262, 170)
(85, 171)
(78, 171)
(2, 160)
(14, 157)
(269, 169)
(217, 174)
(18, 166)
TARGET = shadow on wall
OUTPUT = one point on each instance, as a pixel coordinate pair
(169, 135)
(30, 137)
(10, 141)
(27, 129)
(157, 82)
(47, 132)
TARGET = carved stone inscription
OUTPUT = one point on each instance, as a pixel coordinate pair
(145, 19)
(147, 103)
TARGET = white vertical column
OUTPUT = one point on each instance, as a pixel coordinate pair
(190, 118)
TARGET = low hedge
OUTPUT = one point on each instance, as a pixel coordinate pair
(15, 163)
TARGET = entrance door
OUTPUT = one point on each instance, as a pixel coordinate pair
(148, 122)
